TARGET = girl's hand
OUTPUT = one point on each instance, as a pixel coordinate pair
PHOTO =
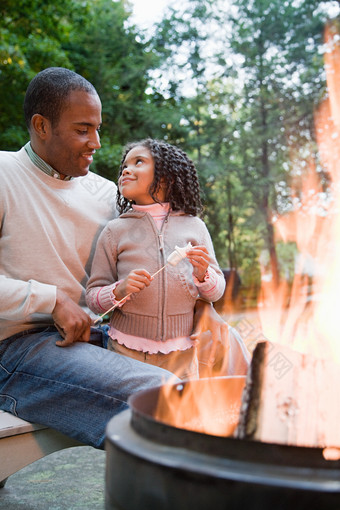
(198, 256)
(136, 281)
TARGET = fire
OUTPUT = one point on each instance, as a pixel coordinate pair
(210, 406)
(306, 317)
(303, 316)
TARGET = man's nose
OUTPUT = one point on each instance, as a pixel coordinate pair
(94, 142)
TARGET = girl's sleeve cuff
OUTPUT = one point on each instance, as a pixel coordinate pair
(105, 297)
(208, 280)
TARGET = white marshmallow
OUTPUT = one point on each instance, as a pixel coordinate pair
(178, 254)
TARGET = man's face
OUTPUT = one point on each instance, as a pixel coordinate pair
(71, 144)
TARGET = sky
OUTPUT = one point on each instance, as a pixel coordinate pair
(145, 12)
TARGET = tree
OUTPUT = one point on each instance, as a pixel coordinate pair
(94, 39)
(213, 113)
(117, 59)
(247, 123)
(283, 80)
(29, 43)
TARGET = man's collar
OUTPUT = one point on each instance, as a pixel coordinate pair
(42, 165)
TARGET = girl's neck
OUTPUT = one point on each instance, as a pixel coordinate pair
(157, 211)
(155, 206)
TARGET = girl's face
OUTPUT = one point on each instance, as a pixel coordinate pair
(137, 177)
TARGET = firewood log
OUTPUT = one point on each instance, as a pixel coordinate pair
(290, 398)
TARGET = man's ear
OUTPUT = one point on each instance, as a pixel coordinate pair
(40, 125)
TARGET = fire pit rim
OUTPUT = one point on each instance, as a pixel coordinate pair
(122, 436)
(233, 448)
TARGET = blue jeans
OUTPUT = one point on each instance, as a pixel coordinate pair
(75, 389)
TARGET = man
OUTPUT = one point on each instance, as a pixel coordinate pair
(52, 210)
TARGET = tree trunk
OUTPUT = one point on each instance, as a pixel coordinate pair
(274, 264)
(230, 234)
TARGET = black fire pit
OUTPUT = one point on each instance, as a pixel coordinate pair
(154, 465)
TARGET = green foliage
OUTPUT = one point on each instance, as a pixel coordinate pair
(250, 123)
(109, 55)
(283, 80)
(28, 43)
(233, 83)
(107, 160)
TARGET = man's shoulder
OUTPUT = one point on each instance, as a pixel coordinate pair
(10, 155)
(98, 190)
(11, 162)
(97, 180)
(98, 186)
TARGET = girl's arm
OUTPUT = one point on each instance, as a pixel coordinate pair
(103, 280)
(199, 258)
(100, 299)
(103, 290)
(212, 287)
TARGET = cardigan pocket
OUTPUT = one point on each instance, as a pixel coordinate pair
(188, 284)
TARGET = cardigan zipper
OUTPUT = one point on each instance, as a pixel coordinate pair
(161, 245)
(161, 248)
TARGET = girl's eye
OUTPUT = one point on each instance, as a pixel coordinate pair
(139, 161)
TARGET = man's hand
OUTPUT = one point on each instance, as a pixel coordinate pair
(71, 321)
(206, 318)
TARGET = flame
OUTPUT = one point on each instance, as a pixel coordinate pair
(210, 406)
(305, 317)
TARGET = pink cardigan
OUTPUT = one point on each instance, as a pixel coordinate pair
(164, 311)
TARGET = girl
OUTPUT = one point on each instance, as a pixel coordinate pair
(158, 200)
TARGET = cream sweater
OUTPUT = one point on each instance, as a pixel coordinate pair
(49, 229)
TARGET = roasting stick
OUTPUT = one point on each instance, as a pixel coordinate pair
(124, 298)
(110, 309)
(174, 258)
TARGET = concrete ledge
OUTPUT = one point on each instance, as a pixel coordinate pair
(22, 443)
(11, 425)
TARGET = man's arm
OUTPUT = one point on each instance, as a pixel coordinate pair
(19, 300)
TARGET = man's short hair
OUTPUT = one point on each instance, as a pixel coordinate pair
(48, 92)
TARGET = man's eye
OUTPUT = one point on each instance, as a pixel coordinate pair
(82, 132)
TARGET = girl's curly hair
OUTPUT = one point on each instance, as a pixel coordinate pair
(175, 171)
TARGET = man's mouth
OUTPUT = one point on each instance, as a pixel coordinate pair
(88, 156)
